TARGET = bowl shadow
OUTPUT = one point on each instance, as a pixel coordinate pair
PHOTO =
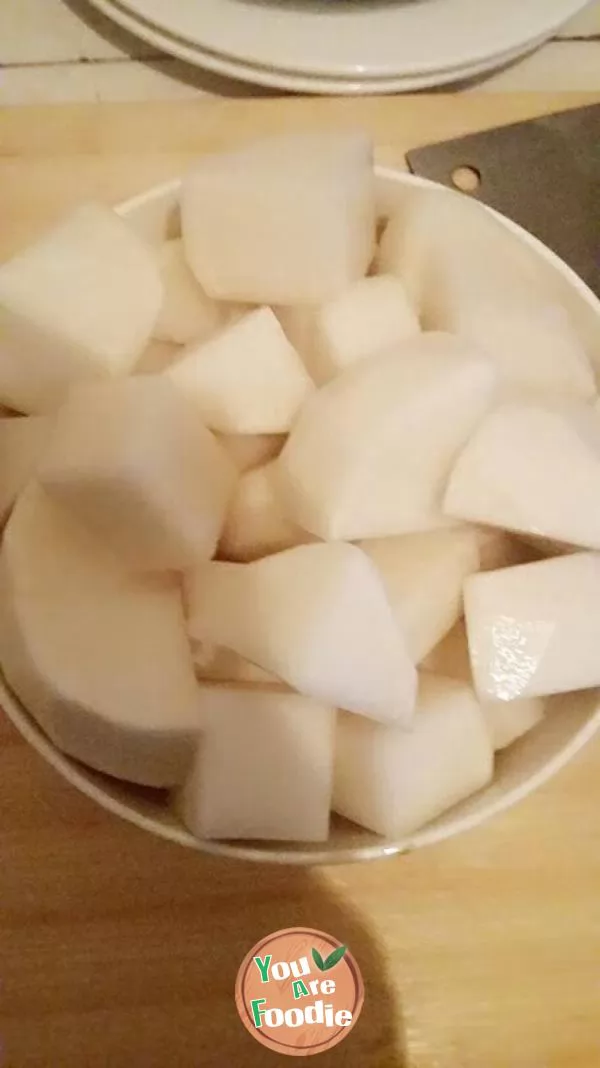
(163, 63)
(120, 949)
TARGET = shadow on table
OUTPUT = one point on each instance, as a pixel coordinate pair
(168, 66)
(120, 950)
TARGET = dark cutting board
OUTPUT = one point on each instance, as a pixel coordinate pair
(543, 173)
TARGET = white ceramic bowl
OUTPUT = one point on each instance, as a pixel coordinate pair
(571, 722)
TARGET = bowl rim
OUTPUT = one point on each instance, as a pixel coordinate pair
(278, 853)
(321, 855)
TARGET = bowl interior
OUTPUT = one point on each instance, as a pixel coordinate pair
(571, 720)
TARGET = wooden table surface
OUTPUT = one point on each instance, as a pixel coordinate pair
(119, 951)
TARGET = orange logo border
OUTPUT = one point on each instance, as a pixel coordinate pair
(243, 1006)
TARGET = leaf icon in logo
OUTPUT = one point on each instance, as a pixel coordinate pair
(316, 956)
(334, 958)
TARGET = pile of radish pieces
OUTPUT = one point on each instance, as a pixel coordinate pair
(298, 518)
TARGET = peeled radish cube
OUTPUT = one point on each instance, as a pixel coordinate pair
(373, 315)
(469, 275)
(214, 664)
(104, 667)
(404, 243)
(535, 629)
(284, 221)
(394, 782)
(506, 720)
(251, 450)
(533, 469)
(22, 444)
(45, 550)
(187, 314)
(264, 768)
(440, 242)
(450, 657)
(82, 668)
(533, 344)
(370, 452)
(510, 720)
(464, 236)
(132, 461)
(246, 380)
(423, 576)
(79, 304)
(256, 525)
(317, 617)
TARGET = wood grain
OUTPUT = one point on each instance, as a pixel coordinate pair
(118, 951)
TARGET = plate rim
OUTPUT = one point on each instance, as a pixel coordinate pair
(262, 23)
(270, 77)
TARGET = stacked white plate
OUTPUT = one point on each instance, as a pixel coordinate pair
(344, 46)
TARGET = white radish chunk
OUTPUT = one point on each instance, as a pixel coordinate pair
(535, 630)
(79, 304)
(246, 380)
(370, 317)
(214, 664)
(285, 221)
(446, 224)
(510, 720)
(187, 314)
(317, 617)
(251, 450)
(264, 767)
(423, 576)
(469, 275)
(132, 460)
(450, 657)
(22, 445)
(370, 452)
(84, 668)
(507, 720)
(99, 659)
(256, 525)
(45, 549)
(533, 469)
(532, 344)
(394, 782)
